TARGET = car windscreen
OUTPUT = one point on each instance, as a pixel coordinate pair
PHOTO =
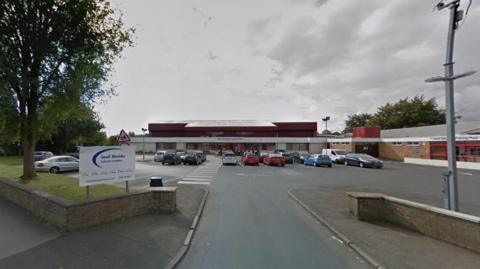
(229, 155)
(341, 152)
(323, 157)
(367, 157)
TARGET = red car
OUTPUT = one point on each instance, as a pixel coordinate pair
(251, 159)
(274, 159)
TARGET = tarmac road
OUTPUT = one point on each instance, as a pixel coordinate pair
(249, 221)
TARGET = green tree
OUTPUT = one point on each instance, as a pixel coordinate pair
(56, 52)
(408, 113)
(81, 128)
(356, 120)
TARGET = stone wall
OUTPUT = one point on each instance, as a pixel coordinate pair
(453, 227)
(70, 216)
(396, 152)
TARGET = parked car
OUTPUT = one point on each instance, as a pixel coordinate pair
(202, 155)
(229, 158)
(303, 156)
(57, 164)
(171, 159)
(274, 159)
(181, 154)
(192, 158)
(289, 158)
(337, 155)
(251, 159)
(362, 160)
(42, 155)
(158, 157)
(262, 155)
(318, 160)
(279, 151)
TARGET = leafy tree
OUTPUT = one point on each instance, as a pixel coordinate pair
(54, 53)
(408, 113)
(356, 120)
(81, 128)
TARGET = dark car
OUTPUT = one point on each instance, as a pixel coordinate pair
(192, 158)
(289, 158)
(362, 160)
(171, 158)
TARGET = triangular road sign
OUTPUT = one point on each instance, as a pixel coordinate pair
(123, 138)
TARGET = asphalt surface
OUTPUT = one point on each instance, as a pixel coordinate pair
(249, 221)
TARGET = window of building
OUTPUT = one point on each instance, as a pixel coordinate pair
(166, 146)
(397, 143)
(297, 147)
(413, 143)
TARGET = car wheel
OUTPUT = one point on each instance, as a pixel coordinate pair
(163, 163)
(361, 165)
(54, 170)
(329, 166)
(346, 163)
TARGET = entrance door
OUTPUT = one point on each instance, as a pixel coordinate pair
(367, 148)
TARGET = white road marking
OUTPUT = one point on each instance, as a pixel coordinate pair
(467, 174)
(194, 182)
(196, 179)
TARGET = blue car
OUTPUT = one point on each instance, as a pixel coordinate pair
(318, 160)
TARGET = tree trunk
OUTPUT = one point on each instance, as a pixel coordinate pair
(28, 145)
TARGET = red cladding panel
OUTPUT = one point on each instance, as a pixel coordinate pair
(366, 132)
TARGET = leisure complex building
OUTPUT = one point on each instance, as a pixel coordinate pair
(428, 142)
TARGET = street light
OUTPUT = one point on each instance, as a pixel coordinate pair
(326, 119)
(144, 130)
(451, 192)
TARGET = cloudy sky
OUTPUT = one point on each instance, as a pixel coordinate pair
(284, 59)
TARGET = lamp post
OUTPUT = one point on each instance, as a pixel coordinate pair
(451, 190)
(144, 130)
(326, 119)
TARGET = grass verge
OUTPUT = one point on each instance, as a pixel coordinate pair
(59, 185)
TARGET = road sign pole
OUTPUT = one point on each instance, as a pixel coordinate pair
(127, 189)
(88, 192)
(450, 113)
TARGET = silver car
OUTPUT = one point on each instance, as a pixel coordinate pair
(158, 157)
(57, 164)
(229, 158)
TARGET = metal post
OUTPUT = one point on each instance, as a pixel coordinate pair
(126, 186)
(450, 112)
(143, 145)
(88, 192)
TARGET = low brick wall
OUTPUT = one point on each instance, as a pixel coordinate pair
(70, 216)
(453, 227)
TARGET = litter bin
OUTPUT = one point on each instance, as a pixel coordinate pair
(156, 182)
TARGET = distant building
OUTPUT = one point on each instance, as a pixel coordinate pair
(236, 135)
(428, 142)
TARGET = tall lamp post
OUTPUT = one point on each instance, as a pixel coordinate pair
(144, 131)
(451, 191)
(326, 119)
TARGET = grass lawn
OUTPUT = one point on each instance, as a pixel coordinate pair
(59, 185)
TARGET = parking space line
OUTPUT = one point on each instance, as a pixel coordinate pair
(196, 179)
(194, 182)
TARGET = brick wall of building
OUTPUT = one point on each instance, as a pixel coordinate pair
(347, 147)
(400, 150)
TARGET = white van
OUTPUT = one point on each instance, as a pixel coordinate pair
(337, 155)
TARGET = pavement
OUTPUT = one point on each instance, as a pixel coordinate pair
(148, 241)
(389, 245)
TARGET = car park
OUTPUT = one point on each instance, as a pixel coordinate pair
(158, 157)
(42, 155)
(171, 158)
(318, 160)
(274, 159)
(362, 160)
(192, 158)
(57, 164)
(229, 158)
(337, 155)
(251, 159)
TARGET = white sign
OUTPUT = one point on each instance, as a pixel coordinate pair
(106, 164)
(457, 138)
